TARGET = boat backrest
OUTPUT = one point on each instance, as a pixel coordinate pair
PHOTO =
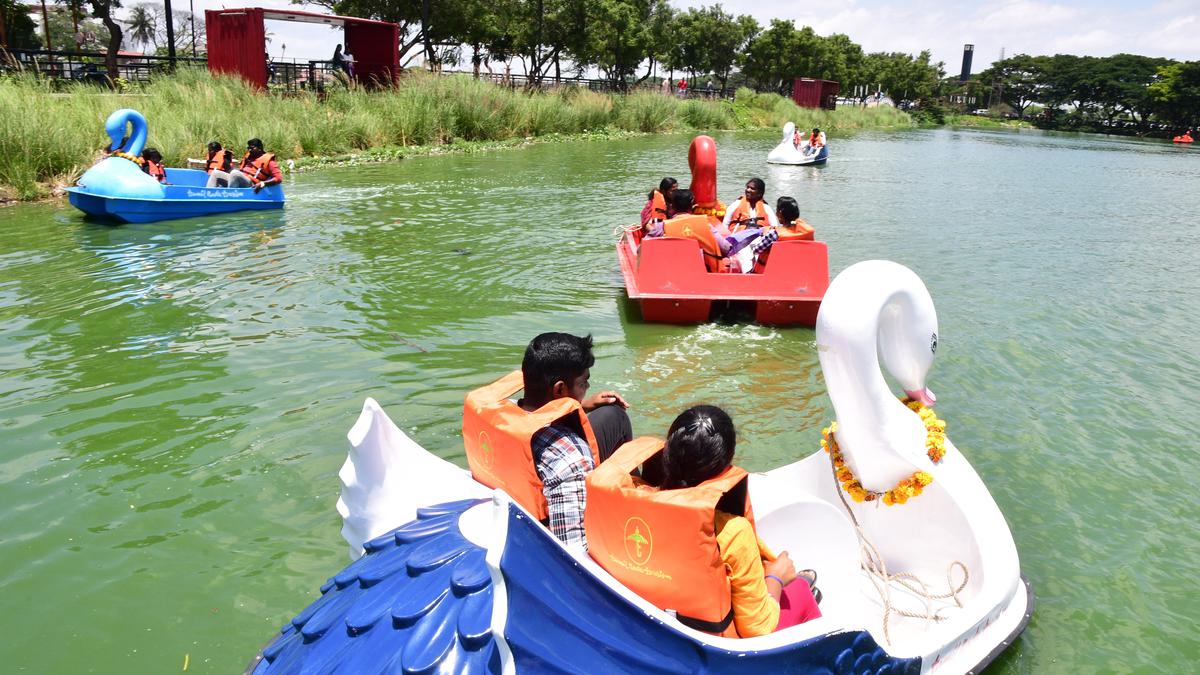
(803, 263)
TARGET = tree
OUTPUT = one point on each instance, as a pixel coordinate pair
(1024, 79)
(143, 25)
(1177, 93)
(767, 60)
(103, 10)
(20, 32)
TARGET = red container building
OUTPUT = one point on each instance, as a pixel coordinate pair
(810, 93)
(237, 43)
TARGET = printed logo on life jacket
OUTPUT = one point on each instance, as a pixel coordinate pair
(485, 447)
(639, 541)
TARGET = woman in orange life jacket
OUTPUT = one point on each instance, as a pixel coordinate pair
(152, 164)
(814, 142)
(219, 160)
(750, 209)
(558, 365)
(257, 170)
(657, 208)
(699, 447)
(791, 226)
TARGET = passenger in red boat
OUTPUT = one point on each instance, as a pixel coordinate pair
(152, 164)
(700, 447)
(791, 226)
(657, 208)
(558, 365)
(750, 210)
(704, 229)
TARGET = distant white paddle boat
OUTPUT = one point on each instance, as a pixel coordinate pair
(787, 152)
(927, 580)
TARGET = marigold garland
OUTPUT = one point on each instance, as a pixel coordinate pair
(906, 489)
(125, 155)
(718, 210)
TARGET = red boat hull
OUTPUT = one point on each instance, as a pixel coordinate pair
(667, 277)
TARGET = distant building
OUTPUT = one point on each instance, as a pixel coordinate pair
(810, 93)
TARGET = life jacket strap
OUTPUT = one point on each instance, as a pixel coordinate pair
(715, 627)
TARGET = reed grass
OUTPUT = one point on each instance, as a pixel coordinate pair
(51, 134)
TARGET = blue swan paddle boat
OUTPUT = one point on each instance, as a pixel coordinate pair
(470, 582)
(116, 188)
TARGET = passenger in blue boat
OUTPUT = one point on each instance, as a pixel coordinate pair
(700, 446)
(257, 170)
(558, 365)
(814, 142)
(152, 164)
(219, 159)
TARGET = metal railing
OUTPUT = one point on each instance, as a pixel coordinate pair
(90, 66)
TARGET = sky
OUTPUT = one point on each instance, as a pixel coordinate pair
(1169, 28)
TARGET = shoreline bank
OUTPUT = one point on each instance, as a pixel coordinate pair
(54, 138)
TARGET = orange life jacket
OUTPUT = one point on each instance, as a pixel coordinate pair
(219, 161)
(693, 226)
(497, 435)
(800, 229)
(662, 544)
(257, 169)
(156, 170)
(742, 219)
(658, 207)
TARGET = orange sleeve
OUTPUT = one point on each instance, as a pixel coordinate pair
(755, 612)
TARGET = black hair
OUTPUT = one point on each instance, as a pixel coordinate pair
(682, 201)
(554, 357)
(254, 142)
(699, 447)
(664, 186)
(787, 209)
(152, 154)
(214, 146)
(758, 185)
(816, 131)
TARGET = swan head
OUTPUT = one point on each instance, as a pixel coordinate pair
(908, 341)
(789, 130)
(116, 125)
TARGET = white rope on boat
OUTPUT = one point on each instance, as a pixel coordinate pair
(619, 231)
(882, 580)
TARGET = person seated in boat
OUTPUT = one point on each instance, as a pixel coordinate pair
(657, 208)
(815, 142)
(797, 138)
(152, 164)
(257, 170)
(750, 210)
(556, 425)
(219, 159)
(705, 229)
(791, 226)
(692, 503)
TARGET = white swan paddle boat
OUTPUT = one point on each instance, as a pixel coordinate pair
(451, 576)
(787, 153)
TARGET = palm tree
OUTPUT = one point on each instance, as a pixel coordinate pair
(143, 26)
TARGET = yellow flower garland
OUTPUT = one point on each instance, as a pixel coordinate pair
(935, 447)
(125, 155)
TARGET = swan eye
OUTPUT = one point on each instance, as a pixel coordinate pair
(933, 343)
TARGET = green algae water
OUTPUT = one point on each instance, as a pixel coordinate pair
(174, 397)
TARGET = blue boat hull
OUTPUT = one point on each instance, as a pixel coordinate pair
(183, 197)
(421, 601)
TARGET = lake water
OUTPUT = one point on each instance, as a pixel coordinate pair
(174, 397)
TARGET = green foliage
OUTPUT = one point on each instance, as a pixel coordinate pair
(53, 136)
(20, 29)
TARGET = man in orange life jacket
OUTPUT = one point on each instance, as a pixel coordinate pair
(258, 169)
(558, 365)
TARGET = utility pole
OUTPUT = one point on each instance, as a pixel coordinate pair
(3, 29)
(425, 34)
(996, 97)
(192, 15)
(46, 26)
(170, 34)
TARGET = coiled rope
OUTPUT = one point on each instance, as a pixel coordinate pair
(619, 231)
(873, 563)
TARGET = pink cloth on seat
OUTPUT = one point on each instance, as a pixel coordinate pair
(797, 605)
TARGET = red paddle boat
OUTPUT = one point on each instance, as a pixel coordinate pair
(1185, 138)
(669, 279)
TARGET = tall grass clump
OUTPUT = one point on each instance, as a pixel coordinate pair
(51, 133)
